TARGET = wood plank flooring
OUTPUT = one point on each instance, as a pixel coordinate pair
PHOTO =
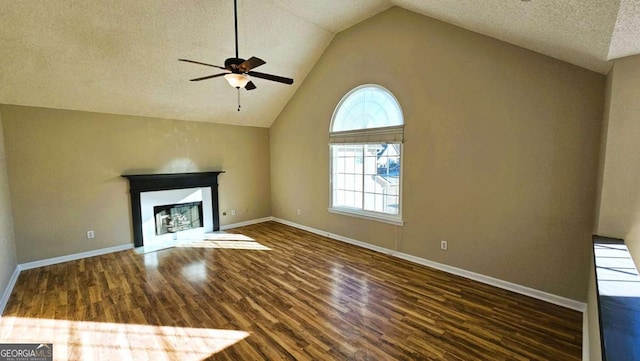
(305, 298)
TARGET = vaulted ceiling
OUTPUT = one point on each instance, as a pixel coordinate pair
(121, 56)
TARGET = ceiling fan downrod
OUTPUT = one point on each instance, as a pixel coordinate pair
(235, 20)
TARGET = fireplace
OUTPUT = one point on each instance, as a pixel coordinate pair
(180, 185)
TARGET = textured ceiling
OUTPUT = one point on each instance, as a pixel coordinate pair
(121, 56)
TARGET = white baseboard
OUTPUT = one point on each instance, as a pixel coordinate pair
(334, 236)
(544, 296)
(9, 289)
(523, 290)
(73, 257)
(246, 223)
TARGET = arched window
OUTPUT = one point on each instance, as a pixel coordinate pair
(365, 141)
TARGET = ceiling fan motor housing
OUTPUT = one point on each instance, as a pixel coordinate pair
(231, 64)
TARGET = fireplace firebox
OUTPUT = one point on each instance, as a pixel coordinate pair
(172, 218)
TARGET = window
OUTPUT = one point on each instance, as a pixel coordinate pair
(365, 144)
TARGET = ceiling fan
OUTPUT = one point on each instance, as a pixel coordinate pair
(239, 70)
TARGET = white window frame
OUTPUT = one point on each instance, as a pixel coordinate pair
(373, 136)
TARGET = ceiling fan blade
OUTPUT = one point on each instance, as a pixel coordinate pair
(279, 79)
(251, 63)
(197, 62)
(250, 86)
(208, 77)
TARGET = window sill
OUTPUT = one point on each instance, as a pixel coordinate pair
(367, 215)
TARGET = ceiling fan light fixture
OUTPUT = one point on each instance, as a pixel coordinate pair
(237, 80)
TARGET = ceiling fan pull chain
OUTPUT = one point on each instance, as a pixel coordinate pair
(238, 98)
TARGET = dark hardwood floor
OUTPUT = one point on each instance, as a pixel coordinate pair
(281, 294)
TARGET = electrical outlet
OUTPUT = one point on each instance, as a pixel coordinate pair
(90, 234)
(298, 211)
(233, 212)
(443, 245)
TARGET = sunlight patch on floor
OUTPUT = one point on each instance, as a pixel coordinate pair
(79, 340)
(226, 241)
(230, 244)
(227, 237)
(220, 240)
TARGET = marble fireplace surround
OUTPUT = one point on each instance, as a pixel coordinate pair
(139, 183)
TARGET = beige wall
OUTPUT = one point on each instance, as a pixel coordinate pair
(593, 313)
(500, 157)
(8, 260)
(619, 211)
(64, 169)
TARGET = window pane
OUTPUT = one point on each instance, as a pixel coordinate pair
(340, 163)
(366, 107)
(394, 166)
(349, 182)
(369, 202)
(370, 183)
(338, 199)
(350, 199)
(380, 183)
(339, 183)
(345, 199)
(370, 165)
(357, 200)
(379, 203)
(348, 164)
(391, 204)
(393, 190)
(359, 164)
(358, 178)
